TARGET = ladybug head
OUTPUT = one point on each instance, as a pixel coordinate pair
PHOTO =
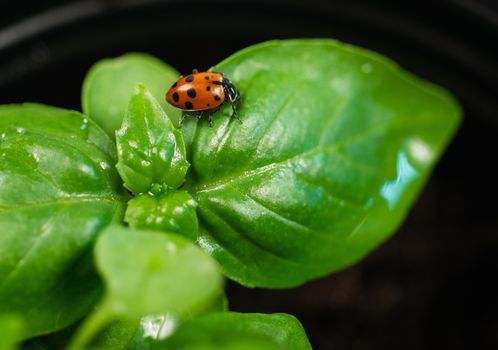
(230, 90)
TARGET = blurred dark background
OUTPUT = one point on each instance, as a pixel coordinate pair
(432, 286)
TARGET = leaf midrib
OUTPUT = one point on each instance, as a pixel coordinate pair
(62, 201)
(335, 149)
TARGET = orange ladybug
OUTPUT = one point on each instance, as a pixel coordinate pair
(203, 91)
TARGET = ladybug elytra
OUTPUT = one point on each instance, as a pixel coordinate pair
(203, 91)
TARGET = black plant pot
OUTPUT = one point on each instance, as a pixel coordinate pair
(429, 286)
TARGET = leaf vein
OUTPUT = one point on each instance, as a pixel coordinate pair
(271, 166)
(332, 119)
(44, 232)
(277, 116)
(245, 237)
(330, 192)
(288, 221)
(61, 201)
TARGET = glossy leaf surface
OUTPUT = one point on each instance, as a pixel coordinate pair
(202, 341)
(335, 145)
(173, 211)
(151, 150)
(58, 189)
(141, 335)
(149, 273)
(279, 331)
(110, 83)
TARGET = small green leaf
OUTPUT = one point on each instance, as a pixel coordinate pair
(10, 331)
(151, 150)
(152, 329)
(225, 329)
(158, 327)
(197, 340)
(173, 211)
(58, 190)
(110, 82)
(335, 146)
(141, 335)
(150, 273)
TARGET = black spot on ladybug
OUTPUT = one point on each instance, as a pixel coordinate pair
(174, 84)
(176, 98)
(217, 82)
(206, 77)
(217, 97)
(189, 79)
(208, 88)
(191, 92)
(209, 104)
(189, 105)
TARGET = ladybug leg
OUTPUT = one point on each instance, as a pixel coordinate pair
(182, 119)
(184, 116)
(199, 114)
(234, 113)
(210, 115)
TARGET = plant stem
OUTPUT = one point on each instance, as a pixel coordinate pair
(94, 323)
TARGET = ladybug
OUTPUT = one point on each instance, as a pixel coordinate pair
(203, 91)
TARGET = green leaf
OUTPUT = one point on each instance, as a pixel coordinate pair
(153, 328)
(151, 150)
(158, 327)
(173, 211)
(226, 329)
(10, 331)
(202, 341)
(58, 189)
(52, 341)
(335, 146)
(150, 273)
(141, 335)
(110, 82)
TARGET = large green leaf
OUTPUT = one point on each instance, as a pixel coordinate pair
(335, 145)
(58, 189)
(150, 273)
(110, 82)
(227, 329)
